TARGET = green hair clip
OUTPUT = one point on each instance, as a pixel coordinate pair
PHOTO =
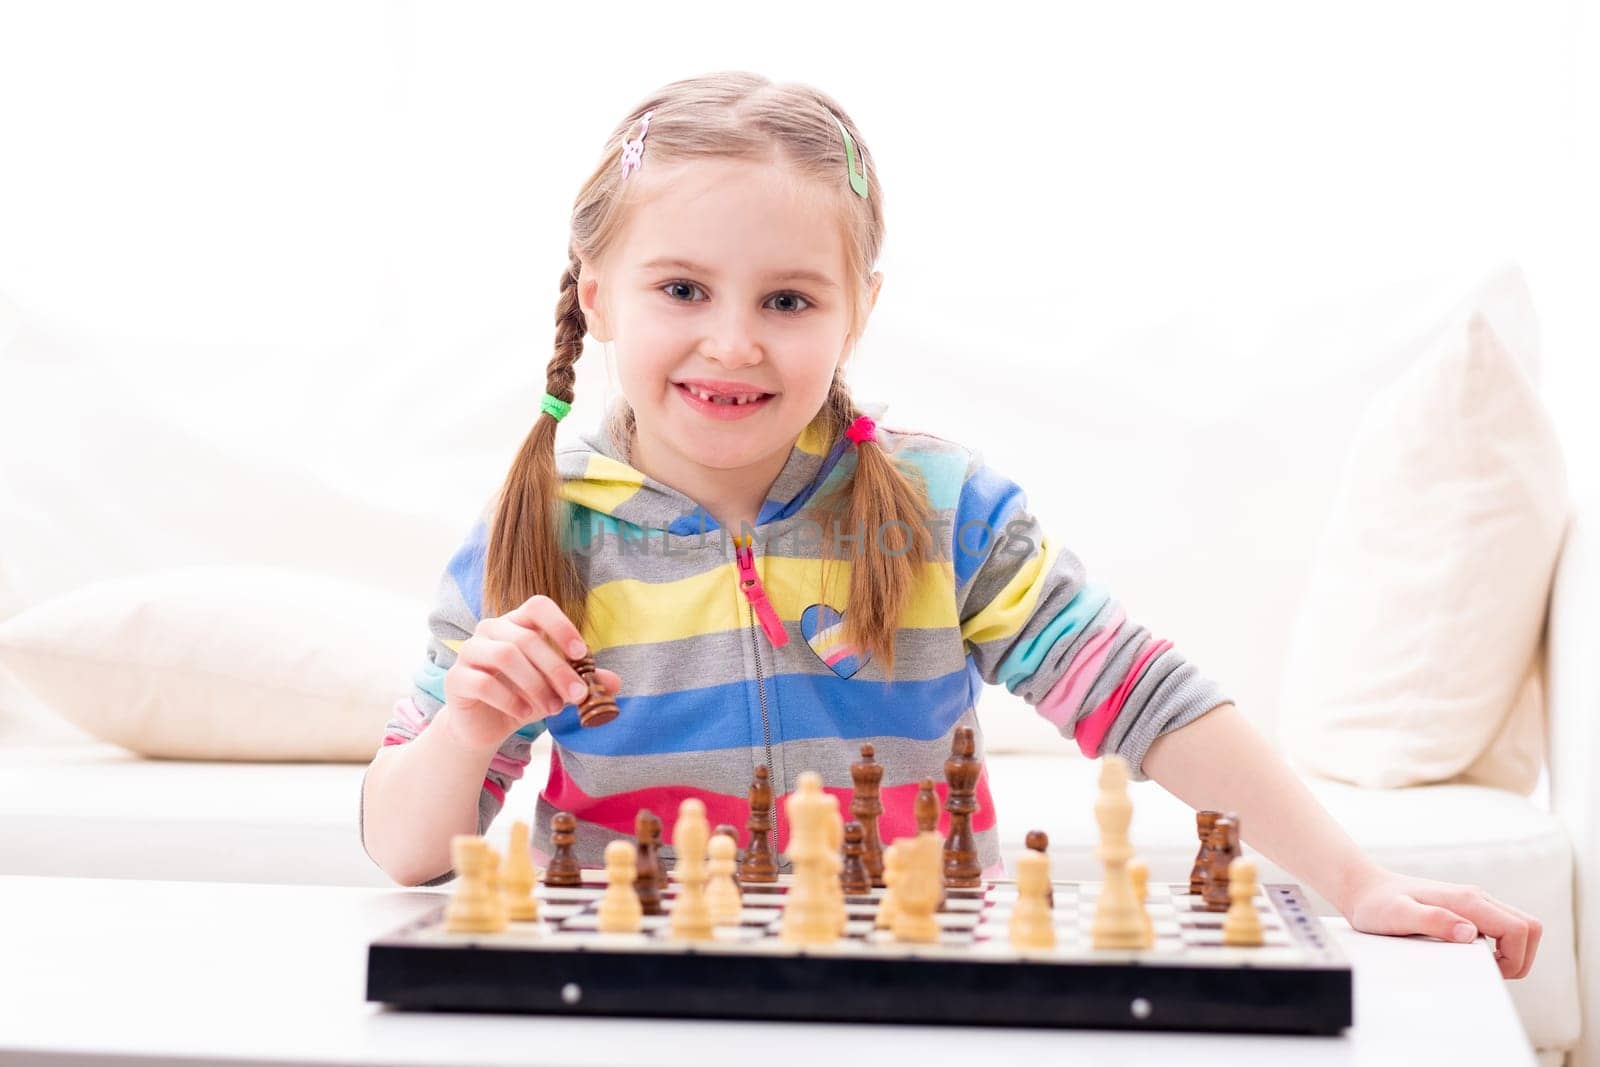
(555, 406)
(856, 170)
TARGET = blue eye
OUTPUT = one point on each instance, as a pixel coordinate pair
(681, 292)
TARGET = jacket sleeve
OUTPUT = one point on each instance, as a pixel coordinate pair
(1033, 621)
(457, 608)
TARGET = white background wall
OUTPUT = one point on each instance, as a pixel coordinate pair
(1149, 257)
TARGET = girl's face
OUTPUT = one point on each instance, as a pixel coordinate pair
(729, 279)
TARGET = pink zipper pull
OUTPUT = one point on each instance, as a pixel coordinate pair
(750, 585)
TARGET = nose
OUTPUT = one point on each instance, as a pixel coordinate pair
(735, 337)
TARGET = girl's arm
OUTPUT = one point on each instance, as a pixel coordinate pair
(417, 796)
(1222, 763)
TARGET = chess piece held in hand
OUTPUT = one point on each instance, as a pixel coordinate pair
(597, 708)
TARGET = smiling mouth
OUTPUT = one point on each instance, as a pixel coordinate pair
(724, 401)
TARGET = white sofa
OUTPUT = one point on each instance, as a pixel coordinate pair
(71, 805)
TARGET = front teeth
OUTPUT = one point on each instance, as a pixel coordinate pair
(708, 398)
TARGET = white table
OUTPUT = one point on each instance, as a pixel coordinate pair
(111, 971)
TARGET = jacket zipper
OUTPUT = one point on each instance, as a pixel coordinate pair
(750, 586)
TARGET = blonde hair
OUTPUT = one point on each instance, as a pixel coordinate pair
(730, 115)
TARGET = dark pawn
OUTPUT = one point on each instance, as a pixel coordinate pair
(853, 877)
(927, 808)
(961, 770)
(651, 878)
(760, 863)
(563, 871)
(728, 831)
(865, 807)
(1203, 821)
(1039, 841)
(1224, 850)
(597, 708)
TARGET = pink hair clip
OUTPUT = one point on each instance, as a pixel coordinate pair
(633, 151)
(862, 430)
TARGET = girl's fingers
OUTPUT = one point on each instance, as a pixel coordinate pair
(489, 689)
(1414, 917)
(542, 613)
(556, 674)
(508, 660)
(610, 679)
(1512, 931)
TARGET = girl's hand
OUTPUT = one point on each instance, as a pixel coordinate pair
(514, 669)
(1389, 903)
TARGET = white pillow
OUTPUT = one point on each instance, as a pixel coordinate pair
(222, 663)
(1415, 656)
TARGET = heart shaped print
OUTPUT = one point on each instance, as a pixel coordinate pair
(823, 628)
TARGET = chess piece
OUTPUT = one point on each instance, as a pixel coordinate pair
(1116, 914)
(853, 876)
(961, 772)
(732, 834)
(647, 846)
(1224, 850)
(1242, 925)
(597, 708)
(1139, 873)
(1032, 925)
(497, 893)
(691, 915)
(865, 808)
(760, 863)
(833, 887)
(1039, 841)
(472, 908)
(893, 864)
(919, 889)
(518, 877)
(927, 807)
(1203, 821)
(722, 892)
(809, 915)
(620, 911)
(563, 871)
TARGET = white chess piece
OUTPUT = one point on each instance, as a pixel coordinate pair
(1116, 915)
(1032, 926)
(1242, 924)
(691, 916)
(722, 892)
(620, 911)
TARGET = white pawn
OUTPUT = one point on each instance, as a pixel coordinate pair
(1032, 926)
(893, 864)
(1242, 925)
(518, 876)
(1139, 872)
(472, 908)
(691, 918)
(620, 911)
(722, 892)
(919, 888)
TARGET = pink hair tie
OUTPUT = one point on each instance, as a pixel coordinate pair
(862, 430)
(633, 151)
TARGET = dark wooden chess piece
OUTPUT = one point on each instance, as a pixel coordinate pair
(1039, 841)
(651, 878)
(865, 808)
(563, 870)
(597, 708)
(1224, 850)
(927, 808)
(853, 877)
(1203, 821)
(961, 770)
(730, 832)
(760, 863)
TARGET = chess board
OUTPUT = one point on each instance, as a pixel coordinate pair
(1297, 982)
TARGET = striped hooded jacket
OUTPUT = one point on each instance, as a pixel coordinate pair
(732, 657)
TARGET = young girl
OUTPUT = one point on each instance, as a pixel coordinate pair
(766, 576)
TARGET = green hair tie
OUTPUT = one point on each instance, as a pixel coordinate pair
(853, 166)
(555, 406)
